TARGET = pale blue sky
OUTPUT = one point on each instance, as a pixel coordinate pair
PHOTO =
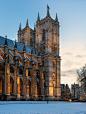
(72, 18)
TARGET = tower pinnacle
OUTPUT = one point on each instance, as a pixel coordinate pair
(6, 41)
(56, 18)
(38, 17)
(20, 27)
(15, 44)
(27, 23)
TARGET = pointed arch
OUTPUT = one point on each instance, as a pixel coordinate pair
(31, 42)
(43, 35)
(29, 72)
(20, 71)
(11, 69)
(52, 35)
(54, 66)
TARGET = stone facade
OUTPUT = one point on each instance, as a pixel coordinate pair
(31, 67)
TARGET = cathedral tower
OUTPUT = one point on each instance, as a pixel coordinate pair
(26, 35)
(47, 45)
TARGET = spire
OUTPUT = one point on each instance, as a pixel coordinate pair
(48, 14)
(15, 44)
(56, 18)
(27, 23)
(20, 27)
(38, 17)
(24, 49)
(6, 41)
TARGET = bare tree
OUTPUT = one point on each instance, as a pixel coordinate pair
(81, 74)
(81, 79)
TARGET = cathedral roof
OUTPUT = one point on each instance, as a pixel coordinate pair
(11, 45)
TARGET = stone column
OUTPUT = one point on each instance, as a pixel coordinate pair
(27, 82)
(55, 92)
(16, 70)
(15, 79)
(40, 79)
(32, 81)
(8, 81)
(7, 73)
(48, 77)
(5, 76)
(58, 80)
(24, 72)
(24, 81)
(17, 83)
(33, 73)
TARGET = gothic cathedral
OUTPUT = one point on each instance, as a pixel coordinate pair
(31, 67)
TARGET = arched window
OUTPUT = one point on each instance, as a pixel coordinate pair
(20, 71)
(37, 74)
(31, 42)
(42, 63)
(43, 35)
(29, 73)
(11, 85)
(52, 35)
(11, 69)
(23, 40)
(53, 66)
(21, 86)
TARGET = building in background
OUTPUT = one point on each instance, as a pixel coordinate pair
(65, 92)
(75, 93)
(30, 68)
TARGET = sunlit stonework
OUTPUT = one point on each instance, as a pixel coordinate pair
(30, 68)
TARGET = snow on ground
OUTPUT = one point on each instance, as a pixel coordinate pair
(41, 107)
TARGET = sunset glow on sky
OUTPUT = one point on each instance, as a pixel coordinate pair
(72, 17)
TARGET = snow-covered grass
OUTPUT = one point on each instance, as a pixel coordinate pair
(41, 107)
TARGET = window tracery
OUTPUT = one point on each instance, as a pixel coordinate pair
(43, 35)
(52, 35)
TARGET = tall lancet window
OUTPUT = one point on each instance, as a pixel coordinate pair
(43, 35)
(52, 35)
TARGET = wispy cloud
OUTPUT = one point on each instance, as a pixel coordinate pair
(80, 56)
(68, 63)
(63, 74)
(73, 58)
(67, 53)
(69, 72)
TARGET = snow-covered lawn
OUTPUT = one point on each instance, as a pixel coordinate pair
(41, 107)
